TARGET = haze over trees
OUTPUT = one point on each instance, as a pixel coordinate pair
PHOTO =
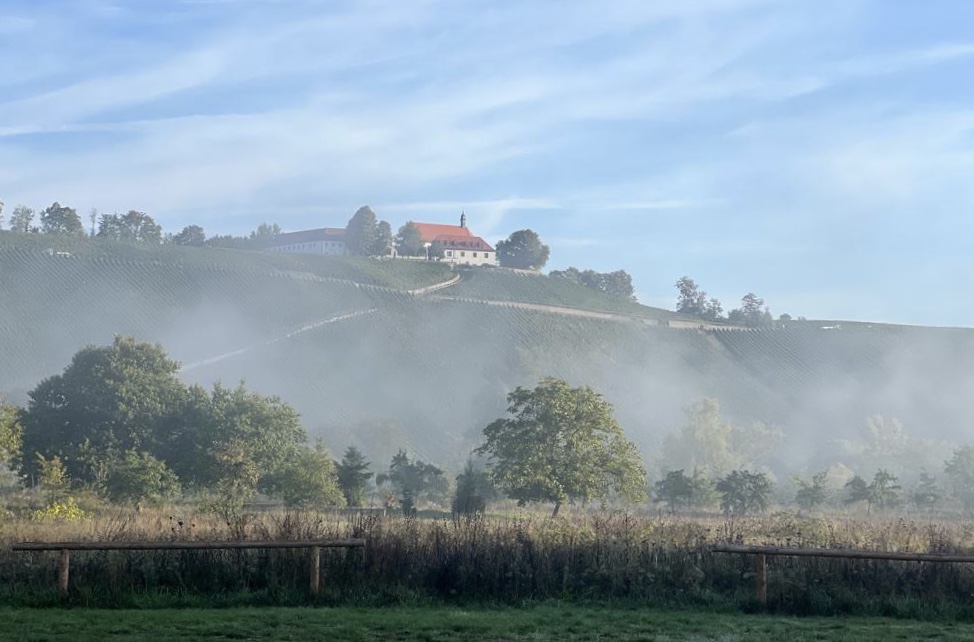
(132, 227)
(523, 250)
(561, 444)
(694, 301)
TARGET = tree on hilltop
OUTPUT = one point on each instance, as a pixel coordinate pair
(61, 220)
(21, 219)
(523, 250)
(132, 227)
(409, 241)
(191, 235)
(753, 313)
(616, 284)
(361, 231)
(561, 444)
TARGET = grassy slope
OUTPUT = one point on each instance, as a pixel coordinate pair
(546, 622)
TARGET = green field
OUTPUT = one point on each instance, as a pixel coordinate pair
(546, 622)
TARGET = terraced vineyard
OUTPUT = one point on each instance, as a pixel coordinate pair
(509, 285)
(366, 363)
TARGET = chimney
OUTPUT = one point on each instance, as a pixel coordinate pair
(463, 219)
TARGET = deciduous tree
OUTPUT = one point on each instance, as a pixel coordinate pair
(191, 235)
(21, 219)
(562, 444)
(61, 220)
(361, 232)
(743, 492)
(523, 250)
(409, 241)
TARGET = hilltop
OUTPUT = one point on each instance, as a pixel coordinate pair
(369, 357)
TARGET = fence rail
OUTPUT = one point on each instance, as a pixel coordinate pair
(761, 553)
(64, 560)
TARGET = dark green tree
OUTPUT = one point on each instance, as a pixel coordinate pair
(353, 476)
(676, 490)
(263, 236)
(21, 219)
(413, 481)
(61, 220)
(474, 490)
(743, 492)
(382, 245)
(191, 235)
(857, 490)
(107, 401)
(562, 444)
(753, 313)
(361, 232)
(814, 493)
(523, 250)
(691, 300)
(409, 241)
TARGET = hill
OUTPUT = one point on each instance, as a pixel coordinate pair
(367, 363)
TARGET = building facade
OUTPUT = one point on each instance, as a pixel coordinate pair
(329, 241)
(456, 244)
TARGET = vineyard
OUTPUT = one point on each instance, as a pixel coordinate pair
(365, 363)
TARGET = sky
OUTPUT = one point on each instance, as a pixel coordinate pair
(819, 153)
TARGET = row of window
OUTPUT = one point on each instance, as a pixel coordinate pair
(449, 254)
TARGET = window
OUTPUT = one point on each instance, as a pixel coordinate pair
(474, 255)
(463, 253)
(449, 252)
(486, 255)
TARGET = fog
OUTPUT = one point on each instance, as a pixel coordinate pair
(382, 371)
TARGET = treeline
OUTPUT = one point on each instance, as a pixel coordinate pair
(695, 302)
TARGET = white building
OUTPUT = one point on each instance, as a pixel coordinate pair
(327, 240)
(456, 244)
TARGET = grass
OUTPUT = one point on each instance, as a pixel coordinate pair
(542, 622)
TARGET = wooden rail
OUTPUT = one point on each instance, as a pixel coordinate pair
(65, 548)
(761, 553)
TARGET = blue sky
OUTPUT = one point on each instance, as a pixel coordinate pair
(817, 152)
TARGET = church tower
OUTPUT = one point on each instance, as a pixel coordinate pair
(463, 219)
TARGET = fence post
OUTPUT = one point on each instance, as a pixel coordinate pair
(315, 574)
(63, 571)
(761, 578)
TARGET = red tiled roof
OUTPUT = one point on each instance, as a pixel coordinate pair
(335, 234)
(429, 231)
(469, 242)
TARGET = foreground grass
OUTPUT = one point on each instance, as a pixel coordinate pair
(546, 622)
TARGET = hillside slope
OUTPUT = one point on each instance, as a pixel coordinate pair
(367, 364)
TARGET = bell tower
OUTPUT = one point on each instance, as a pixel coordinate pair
(463, 219)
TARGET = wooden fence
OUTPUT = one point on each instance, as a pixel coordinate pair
(761, 553)
(64, 561)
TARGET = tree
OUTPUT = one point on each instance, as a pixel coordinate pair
(857, 490)
(675, 489)
(361, 232)
(523, 250)
(263, 236)
(814, 493)
(11, 434)
(616, 284)
(409, 241)
(107, 401)
(562, 444)
(883, 492)
(691, 300)
(309, 480)
(138, 477)
(753, 313)
(21, 219)
(960, 476)
(704, 443)
(61, 220)
(191, 235)
(743, 492)
(383, 240)
(139, 227)
(1, 214)
(353, 476)
(927, 494)
(473, 491)
(412, 481)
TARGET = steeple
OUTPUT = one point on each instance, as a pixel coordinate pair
(463, 219)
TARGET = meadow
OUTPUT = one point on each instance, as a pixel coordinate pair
(512, 560)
